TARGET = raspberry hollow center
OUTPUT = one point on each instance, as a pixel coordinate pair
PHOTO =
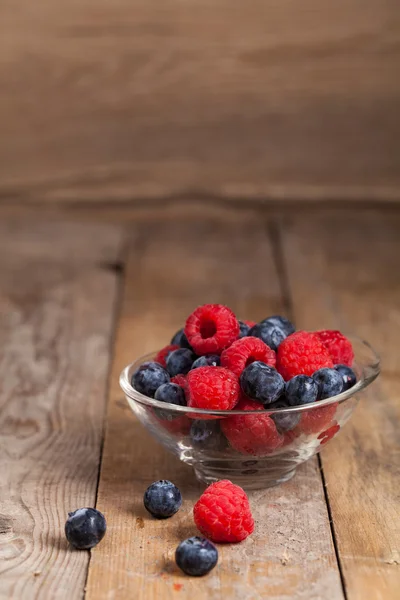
(207, 329)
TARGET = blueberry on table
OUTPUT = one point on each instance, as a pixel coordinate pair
(170, 393)
(148, 378)
(196, 556)
(330, 382)
(273, 330)
(181, 340)
(348, 375)
(301, 389)
(85, 528)
(284, 421)
(262, 383)
(209, 360)
(179, 362)
(162, 499)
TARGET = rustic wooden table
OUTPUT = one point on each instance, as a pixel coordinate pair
(81, 297)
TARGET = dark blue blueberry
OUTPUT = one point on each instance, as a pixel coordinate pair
(148, 378)
(173, 394)
(330, 383)
(262, 382)
(301, 390)
(273, 330)
(207, 435)
(196, 556)
(349, 377)
(85, 528)
(284, 421)
(162, 499)
(243, 329)
(210, 360)
(180, 361)
(181, 340)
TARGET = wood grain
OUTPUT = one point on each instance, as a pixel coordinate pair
(144, 99)
(56, 307)
(353, 263)
(171, 268)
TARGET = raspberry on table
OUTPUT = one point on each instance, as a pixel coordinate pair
(223, 513)
(213, 388)
(338, 346)
(162, 354)
(262, 383)
(251, 434)
(301, 353)
(317, 419)
(273, 330)
(211, 328)
(244, 351)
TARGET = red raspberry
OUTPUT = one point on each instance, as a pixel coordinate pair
(317, 419)
(338, 346)
(251, 434)
(245, 351)
(327, 435)
(213, 388)
(163, 353)
(179, 380)
(223, 513)
(301, 353)
(211, 328)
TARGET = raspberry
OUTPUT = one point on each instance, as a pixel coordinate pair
(317, 419)
(213, 388)
(211, 328)
(338, 346)
(245, 351)
(179, 380)
(327, 435)
(301, 353)
(223, 513)
(251, 434)
(162, 354)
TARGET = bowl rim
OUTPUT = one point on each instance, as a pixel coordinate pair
(367, 372)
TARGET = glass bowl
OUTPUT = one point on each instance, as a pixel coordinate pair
(196, 435)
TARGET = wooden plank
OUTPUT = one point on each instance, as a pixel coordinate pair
(139, 99)
(177, 265)
(55, 328)
(355, 262)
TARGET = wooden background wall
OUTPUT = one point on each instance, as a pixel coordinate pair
(125, 99)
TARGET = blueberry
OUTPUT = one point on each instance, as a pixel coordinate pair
(243, 329)
(207, 435)
(349, 377)
(262, 382)
(162, 499)
(301, 390)
(273, 330)
(148, 377)
(85, 528)
(196, 556)
(172, 394)
(330, 383)
(284, 421)
(181, 340)
(210, 360)
(180, 361)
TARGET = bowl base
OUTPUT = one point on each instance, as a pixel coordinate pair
(258, 480)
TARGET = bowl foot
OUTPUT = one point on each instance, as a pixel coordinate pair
(250, 479)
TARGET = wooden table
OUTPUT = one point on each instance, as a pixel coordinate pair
(84, 294)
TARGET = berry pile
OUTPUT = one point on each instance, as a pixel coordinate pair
(219, 363)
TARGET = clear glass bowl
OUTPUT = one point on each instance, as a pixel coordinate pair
(317, 424)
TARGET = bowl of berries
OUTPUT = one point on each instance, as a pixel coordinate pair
(248, 401)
